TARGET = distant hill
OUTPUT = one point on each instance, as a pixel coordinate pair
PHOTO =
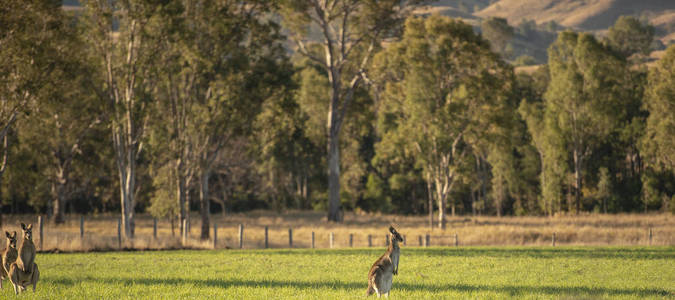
(587, 15)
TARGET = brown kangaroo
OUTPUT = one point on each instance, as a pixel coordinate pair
(8, 256)
(24, 271)
(381, 274)
(27, 249)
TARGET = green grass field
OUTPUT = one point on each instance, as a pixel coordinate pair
(431, 273)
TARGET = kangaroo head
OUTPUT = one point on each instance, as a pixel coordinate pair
(11, 240)
(395, 236)
(27, 231)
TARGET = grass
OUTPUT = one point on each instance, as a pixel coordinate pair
(580, 230)
(425, 273)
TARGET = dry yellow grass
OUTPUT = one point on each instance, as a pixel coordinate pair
(587, 229)
(587, 14)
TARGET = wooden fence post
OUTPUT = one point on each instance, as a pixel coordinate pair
(553, 240)
(40, 245)
(386, 240)
(241, 236)
(267, 237)
(154, 228)
(331, 237)
(186, 231)
(81, 227)
(420, 238)
(119, 233)
(427, 240)
(312, 239)
(370, 240)
(351, 240)
(404, 239)
(456, 240)
(215, 235)
(290, 238)
(650, 236)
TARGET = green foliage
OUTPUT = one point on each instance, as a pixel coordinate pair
(588, 90)
(498, 32)
(629, 36)
(477, 272)
(445, 95)
(524, 60)
(658, 141)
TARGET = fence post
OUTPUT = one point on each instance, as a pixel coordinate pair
(351, 240)
(332, 236)
(312, 239)
(420, 238)
(41, 232)
(215, 235)
(456, 240)
(386, 240)
(650, 236)
(370, 240)
(82, 227)
(241, 236)
(186, 231)
(290, 238)
(553, 240)
(119, 233)
(427, 240)
(267, 237)
(154, 228)
(404, 239)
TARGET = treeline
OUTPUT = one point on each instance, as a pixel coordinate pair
(174, 106)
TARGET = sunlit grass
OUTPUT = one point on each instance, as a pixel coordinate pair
(425, 273)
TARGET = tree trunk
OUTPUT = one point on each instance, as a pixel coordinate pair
(59, 201)
(333, 176)
(577, 180)
(431, 204)
(204, 207)
(127, 173)
(441, 212)
(441, 204)
(181, 189)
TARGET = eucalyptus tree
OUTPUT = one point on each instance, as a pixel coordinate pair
(588, 87)
(629, 35)
(658, 143)
(121, 39)
(659, 140)
(445, 93)
(29, 33)
(349, 32)
(228, 61)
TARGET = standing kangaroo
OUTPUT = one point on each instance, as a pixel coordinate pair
(8, 256)
(27, 249)
(383, 270)
(24, 271)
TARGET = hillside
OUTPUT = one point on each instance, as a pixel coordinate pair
(587, 15)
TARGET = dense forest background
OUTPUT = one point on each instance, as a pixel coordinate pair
(170, 106)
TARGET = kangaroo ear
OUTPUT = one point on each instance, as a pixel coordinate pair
(14, 236)
(391, 229)
(30, 226)
(7, 234)
(23, 226)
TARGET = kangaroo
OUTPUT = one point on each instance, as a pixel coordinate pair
(8, 256)
(381, 274)
(21, 279)
(27, 249)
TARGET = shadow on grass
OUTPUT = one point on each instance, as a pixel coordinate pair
(512, 290)
(562, 252)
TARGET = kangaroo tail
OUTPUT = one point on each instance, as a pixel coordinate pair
(370, 290)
